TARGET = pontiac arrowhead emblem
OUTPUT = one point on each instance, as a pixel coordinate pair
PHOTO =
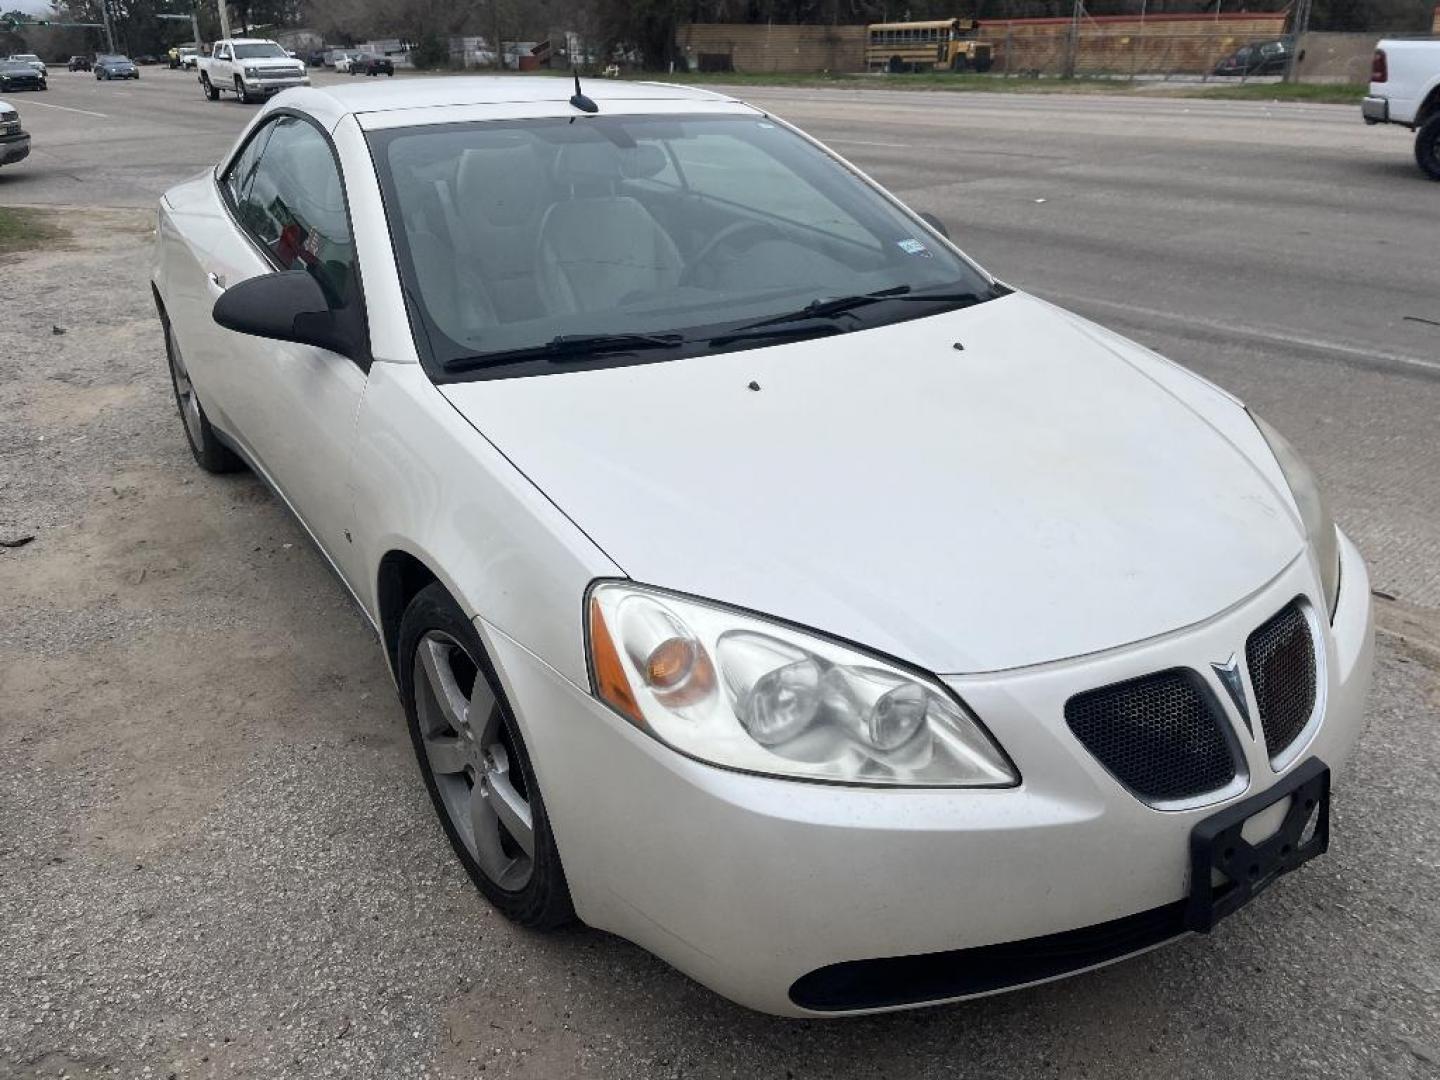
(1229, 673)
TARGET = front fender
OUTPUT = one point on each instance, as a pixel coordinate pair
(429, 484)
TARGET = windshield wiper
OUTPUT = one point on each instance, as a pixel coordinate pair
(822, 308)
(843, 305)
(565, 347)
(796, 329)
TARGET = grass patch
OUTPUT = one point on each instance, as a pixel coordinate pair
(23, 229)
(1324, 93)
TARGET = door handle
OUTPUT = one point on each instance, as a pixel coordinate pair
(217, 280)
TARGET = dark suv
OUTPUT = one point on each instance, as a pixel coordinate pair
(373, 65)
(1257, 58)
(79, 63)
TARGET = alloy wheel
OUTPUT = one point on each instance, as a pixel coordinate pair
(470, 753)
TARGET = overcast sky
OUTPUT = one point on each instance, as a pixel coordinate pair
(34, 7)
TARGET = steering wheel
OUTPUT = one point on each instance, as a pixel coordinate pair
(760, 229)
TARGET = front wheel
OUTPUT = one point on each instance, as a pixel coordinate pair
(959, 63)
(211, 93)
(1427, 148)
(475, 764)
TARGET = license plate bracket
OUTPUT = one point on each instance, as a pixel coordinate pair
(1217, 843)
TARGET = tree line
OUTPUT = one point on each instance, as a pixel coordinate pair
(640, 29)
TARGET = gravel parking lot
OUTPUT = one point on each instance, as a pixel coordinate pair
(216, 858)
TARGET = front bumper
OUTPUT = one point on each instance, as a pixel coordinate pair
(14, 148)
(1375, 110)
(274, 86)
(750, 884)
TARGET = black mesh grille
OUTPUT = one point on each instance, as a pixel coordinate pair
(1281, 657)
(1161, 735)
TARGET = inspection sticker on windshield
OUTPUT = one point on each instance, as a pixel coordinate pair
(911, 246)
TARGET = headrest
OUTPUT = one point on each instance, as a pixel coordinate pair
(586, 163)
(503, 183)
(600, 163)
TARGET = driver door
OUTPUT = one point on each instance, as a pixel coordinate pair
(292, 406)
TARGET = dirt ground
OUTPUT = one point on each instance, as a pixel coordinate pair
(216, 857)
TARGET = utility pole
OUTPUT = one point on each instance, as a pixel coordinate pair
(109, 31)
(1301, 28)
(1072, 41)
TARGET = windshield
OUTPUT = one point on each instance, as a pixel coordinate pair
(29, 58)
(517, 235)
(259, 52)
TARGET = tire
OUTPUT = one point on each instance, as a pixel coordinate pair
(895, 65)
(985, 65)
(210, 453)
(240, 94)
(960, 63)
(211, 93)
(1427, 147)
(439, 647)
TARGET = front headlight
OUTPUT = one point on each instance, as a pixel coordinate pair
(252, 73)
(1314, 511)
(746, 693)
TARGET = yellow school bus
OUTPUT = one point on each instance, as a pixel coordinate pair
(938, 45)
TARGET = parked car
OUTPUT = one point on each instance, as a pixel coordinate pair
(315, 58)
(175, 58)
(79, 63)
(763, 580)
(14, 140)
(115, 67)
(372, 65)
(31, 59)
(148, 59)
(344, 61)
(252, 69)
(1257, 58)
(18, 75)
(190, 61)
(1405, 90)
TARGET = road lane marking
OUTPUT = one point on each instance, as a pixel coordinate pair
(67, 108)
(1228, 329)
(862, 142)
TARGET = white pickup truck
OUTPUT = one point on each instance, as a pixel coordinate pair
(250, 68)
(1405, 89)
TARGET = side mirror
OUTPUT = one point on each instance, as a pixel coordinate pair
(935, 223)
(285, 306)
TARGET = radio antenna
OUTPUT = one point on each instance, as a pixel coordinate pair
(580, 101)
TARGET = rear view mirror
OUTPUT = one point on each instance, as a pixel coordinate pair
(285, 306)
(935, 223)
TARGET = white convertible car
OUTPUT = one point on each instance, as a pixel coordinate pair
(763, 580)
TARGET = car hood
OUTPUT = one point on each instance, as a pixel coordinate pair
(1034, 496)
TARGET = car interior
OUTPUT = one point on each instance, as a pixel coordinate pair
(518, 231)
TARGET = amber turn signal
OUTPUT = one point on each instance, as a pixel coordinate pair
(611, 684)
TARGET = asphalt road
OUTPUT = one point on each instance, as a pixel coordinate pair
(216, 858)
